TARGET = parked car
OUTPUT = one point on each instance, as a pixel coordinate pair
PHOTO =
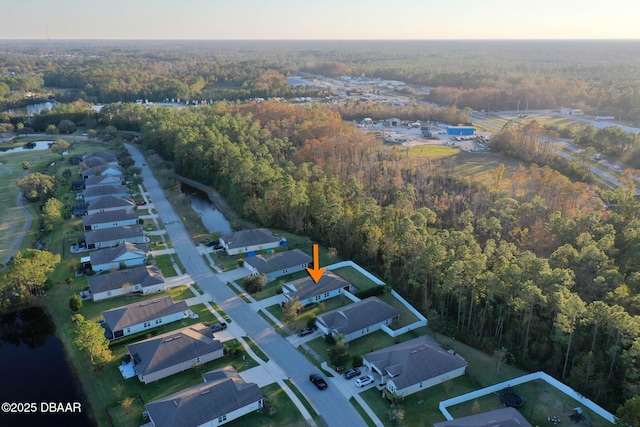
(318, 381)
(217, 327)
(363, 381)
(141, 203)
(351, 373)
(305, 331)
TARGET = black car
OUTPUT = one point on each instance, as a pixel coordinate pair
(217, 327)
(305, 331)
(318, 381)
(351, 373)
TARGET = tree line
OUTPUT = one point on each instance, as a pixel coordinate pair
(533, 268)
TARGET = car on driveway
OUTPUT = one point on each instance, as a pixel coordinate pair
(351, 373)
(217, 327)
(305, 331)
(318, 381)
(363, 381)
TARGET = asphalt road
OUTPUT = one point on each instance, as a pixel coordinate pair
(332, 406)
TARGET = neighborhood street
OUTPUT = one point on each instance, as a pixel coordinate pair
(332, 405)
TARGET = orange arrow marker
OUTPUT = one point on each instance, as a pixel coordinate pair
(316, 272)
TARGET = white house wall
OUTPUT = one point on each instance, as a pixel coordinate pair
(112, 224)
(180, 367)
(234, 415)
(254, 248)
(425, 384)
(155, 323)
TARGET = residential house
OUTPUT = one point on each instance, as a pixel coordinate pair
(221, 398)
(142, 316)
(414, 365)
(144, 280)
(278, 264)
(107, 156)
(126, 255)
(110, 219)
(101, 170)
(108, 237)
(176, 351)
(244, 241)
(357, 319)
(503, 417)
(93, 193)
(110, 203)
(100, 180)
(308, 292)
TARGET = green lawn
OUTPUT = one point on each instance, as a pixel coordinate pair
(541, 401)
(406, 316)
(311, 311)
(362, 412)
(356, 278)
(368, 343)
(272, 287)
(256, 349)
(285, 413)
(432, 151)
(164, 263)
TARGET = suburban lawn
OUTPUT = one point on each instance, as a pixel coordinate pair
(366, 344)
(271, 288)
(357, 279)
(430, 150)
(311, 311)
(164, 263)
(541, 402)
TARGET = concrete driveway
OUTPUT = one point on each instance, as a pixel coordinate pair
(332, 405)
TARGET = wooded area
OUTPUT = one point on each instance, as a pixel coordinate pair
(532, 266)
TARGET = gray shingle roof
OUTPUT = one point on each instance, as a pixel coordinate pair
(278, 261)
(140, 312)
(166, 350)
(359, 315)
(113, 233)
(109, 216)
(222, 393)
(104, 190)
(99, 170)
(110, 202)
(144, 275)
(97, 180)
(416, 360)
(109, 156)
(108, 255)
(306, 288)
(243, 238)
(505, 417)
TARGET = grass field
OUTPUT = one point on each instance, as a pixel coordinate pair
(432, 151)
(356, 278)
(311, 311)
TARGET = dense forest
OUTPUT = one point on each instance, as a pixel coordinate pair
(600, 77)
(534, 268)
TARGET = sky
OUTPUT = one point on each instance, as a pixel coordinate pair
(320, 19)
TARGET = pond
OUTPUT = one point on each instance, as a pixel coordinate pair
(29, 146)
(212, 219)
(34, 370)
(32, 109)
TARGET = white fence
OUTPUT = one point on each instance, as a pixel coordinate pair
(352, 264)
(521, 380)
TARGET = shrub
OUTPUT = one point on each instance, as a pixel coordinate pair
(75, 303)
(253, 284)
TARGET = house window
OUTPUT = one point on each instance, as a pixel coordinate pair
(109, 293)
(420, 384)
(326, 294)
(222, 419)
(285, 271)
(198, 359)
(128, 330)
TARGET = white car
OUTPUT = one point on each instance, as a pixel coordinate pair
(363, 381)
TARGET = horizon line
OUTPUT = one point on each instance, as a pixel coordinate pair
(310, 40)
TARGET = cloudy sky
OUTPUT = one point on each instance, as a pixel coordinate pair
(320, 19)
